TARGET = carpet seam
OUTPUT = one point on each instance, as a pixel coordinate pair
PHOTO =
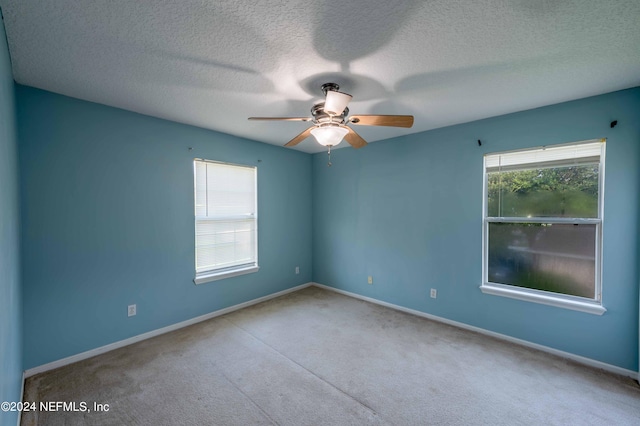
(306, 369)
(249, 398)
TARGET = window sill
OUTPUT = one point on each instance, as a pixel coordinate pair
(214, 276)
(576, 305)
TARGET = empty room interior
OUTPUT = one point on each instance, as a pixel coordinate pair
(303, 213)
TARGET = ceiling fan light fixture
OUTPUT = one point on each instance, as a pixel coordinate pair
(329, 135)
(336, 102)
(331, 121)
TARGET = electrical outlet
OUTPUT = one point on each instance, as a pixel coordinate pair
(131, 311)
(297, 270)
(370, 279)
(434, 293)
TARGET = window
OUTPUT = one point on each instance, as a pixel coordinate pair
(226, 220)
(542, 218)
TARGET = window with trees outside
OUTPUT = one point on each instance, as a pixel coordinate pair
(542, 219)
(226, 220)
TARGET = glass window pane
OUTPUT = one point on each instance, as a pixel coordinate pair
(570, 191)
(551, 257)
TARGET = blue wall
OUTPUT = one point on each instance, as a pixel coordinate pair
(10, 304)
(107, 221)
(408, 211)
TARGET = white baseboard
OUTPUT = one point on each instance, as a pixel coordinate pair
(580, 359)
(103, 349)
(97, 351)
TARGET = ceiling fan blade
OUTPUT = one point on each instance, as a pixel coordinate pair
(282, 118)
(354, 139)
(336, 102)
(382, 120)
(302, 136)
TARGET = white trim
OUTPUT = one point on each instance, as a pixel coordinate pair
(568, 220)
(206, 277)
(593, 306)
(577, 358)
(126, 342)
(551, 300)
(224, 163)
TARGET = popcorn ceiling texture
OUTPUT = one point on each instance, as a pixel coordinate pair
(214, 63)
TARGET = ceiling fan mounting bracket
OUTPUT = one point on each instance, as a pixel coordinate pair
(327, 87)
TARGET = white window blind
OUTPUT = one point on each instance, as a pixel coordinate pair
(554, 156)
(225, 217)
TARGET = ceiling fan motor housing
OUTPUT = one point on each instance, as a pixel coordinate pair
(320, 117)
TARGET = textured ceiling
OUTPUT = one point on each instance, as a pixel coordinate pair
(214, 63)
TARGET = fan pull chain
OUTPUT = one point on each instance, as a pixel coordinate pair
(329, 153)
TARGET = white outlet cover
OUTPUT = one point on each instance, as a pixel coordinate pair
(434, 293)
(131, 310)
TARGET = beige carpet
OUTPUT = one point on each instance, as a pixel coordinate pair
(314, 357)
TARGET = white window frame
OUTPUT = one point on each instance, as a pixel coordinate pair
(592, 306)
(230, 271)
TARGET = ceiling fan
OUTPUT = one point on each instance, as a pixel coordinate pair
(330, 119)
